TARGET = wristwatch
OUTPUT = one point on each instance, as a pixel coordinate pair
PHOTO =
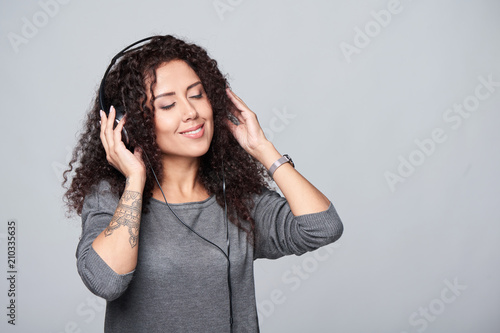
(282, 160)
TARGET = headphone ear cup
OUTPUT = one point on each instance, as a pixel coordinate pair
(126, 139)
(120, 113)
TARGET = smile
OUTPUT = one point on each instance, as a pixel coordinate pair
(195, 132)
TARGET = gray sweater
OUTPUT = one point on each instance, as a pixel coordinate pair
(180, 282)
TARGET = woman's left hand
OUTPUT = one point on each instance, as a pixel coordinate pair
(248, 132)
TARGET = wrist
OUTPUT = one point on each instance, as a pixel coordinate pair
(282, 160)
(266, 154)
(135, 182)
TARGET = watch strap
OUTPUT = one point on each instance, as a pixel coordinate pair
(282, 160)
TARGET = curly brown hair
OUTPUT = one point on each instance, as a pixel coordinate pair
(126, 85)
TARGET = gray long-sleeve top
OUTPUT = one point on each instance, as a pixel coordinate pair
(180, 281)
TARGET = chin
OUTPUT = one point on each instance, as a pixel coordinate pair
(195, 151)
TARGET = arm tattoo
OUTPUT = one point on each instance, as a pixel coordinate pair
(127, 214)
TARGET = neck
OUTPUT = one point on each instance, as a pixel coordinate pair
(180, 181)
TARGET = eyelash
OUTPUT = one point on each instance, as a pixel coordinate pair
(168, 107)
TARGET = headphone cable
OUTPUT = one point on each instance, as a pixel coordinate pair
(206, 240)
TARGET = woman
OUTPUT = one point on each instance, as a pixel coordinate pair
(155, 241)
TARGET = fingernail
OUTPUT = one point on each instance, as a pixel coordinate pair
(100, 114)
(112, 108)
(99, 122)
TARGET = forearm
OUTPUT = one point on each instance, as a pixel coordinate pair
(301, 195)
(118, 244)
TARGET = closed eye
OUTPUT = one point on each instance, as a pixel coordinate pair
(167, 107)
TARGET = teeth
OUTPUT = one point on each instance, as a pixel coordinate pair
(193, 132)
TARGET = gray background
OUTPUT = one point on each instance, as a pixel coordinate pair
(347, 120)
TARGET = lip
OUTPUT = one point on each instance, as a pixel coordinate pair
(194, 135)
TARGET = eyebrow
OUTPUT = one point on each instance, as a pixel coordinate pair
(173, 93)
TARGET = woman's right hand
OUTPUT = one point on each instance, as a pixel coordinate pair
(128, 163)
(117, 245)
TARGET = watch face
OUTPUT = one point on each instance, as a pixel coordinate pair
(289, 159)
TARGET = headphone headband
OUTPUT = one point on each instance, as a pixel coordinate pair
(120, 54)
(120, 109)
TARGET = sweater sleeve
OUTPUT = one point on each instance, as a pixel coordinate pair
(98, 209)
(279, 232)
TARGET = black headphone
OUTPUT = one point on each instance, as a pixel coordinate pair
(120, 113)
(120, 109)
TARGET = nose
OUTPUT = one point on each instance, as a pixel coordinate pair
(188, 111)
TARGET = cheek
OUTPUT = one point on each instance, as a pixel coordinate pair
(207, 110)
(165, 123)
(210, 119)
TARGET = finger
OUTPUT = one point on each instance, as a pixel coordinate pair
(242, 111)
(237, 114)
(238, 102)
(103, 129)
(233, 95)
(117, 132)
(108, 132)
(232, 126)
